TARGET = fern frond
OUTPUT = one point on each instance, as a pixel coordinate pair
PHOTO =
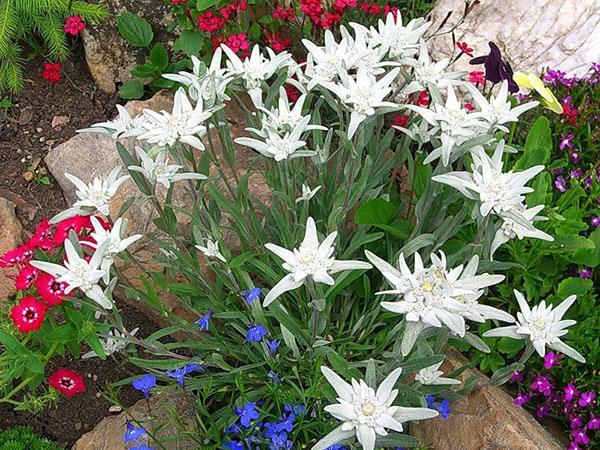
(50, 28)
(8, 25)
(42, 6)
(11, 75)
(90, 13)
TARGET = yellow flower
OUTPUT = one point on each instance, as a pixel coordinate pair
(533, 83)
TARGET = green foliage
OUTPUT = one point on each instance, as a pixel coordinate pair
(33, 20)
(23, 438)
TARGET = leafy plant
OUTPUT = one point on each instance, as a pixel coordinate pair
(32, 21)
(23, 438)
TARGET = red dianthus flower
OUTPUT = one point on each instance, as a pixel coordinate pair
(28, 314)
(67, 381)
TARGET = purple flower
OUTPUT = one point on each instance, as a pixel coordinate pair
(496, 69)
(255, 333)
(133, 433)
(575, 159)
(144, 384)
(594, 423)
(516, 377)
(521, 399)
(576, 173)
(336, 447)
(587, 398)
(560, 183)
(586, 272)
(580, 437)
(588, 182)
(542, 385)
(273, 345)
(575, 423)
(550, 360)
(203, 321)
(247, 413)
(595, 221)
(542, 411)
(565, 141)
(251, 294)
(570, 392)
(554, 76)
(574, 446)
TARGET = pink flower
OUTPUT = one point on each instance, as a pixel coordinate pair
(49, 289)
(399, 120)
(67, 381)
(28, 314)
(209, 22)
(464, 48)
(26, 278)
(277, 42)
(283, 14)
(477, 77)
(469, 107)
(73, 25)
(587, 398)
(238, 43)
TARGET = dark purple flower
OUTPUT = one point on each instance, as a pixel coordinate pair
(570, 392)
(587, 398)
(565, 141)
(521, 399)
(577, 173)
(560, 183)
(496, 69)
(588, 182)
(542, 411)
(595, 221)
(575, 158)
(586, 272)
(575, 423)
(554, 76)
(516, 377)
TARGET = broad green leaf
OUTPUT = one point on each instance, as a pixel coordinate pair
(131, 90)
(190, 42)
(538, 146)
(159, 56)
(135, 29)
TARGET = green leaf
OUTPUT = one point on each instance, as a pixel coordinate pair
(135, 29)
(190, 42)
(201, 5)
(397, 440)
(574, 286)
(538, 145)
(95, 344)
(510, 346)
(131, 89)
(375, 212)
(144, 70)
(159, 56)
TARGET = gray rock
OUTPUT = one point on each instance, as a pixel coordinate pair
(533, 34)
(10, 237)
(108, 55)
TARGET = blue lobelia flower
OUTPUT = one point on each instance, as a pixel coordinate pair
(274, 377)
(251, 294)
(443, 407)
(180, 372)
(273, 345)
(247, 413)
(203, 321)
(133, 433)
(336, 447)
(280, 441)
(255, 333)
(144, 384)
(233, 445)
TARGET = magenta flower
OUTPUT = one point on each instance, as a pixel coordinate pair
(542, 411)
(581, 437)
(570, 392)
(587, 399)
(554, 76)
(576, 423)
(565, 141)
(586, 272)
(575, 158)
(594, 423)
(542, 385)
(595, 221)
(521, 399)
(574, 446)
(551, 359)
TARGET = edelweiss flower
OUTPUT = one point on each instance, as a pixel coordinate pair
(158, 169)
(312, 260)
(455, 124)
(115, 244)
(114, 342)
(212, 250)
(204, 83)
(431, 375)
(78, 273)
(307, 193)
(428, 73)
(183, 124)
(93, 197)
(280, 147)
(430, 294)
(542, 326)
(511, 229)
(323, 64)
(498, 110)
(363, 95)
(117, 127)
(367, 413)
(255, 69)
(400, 41)
(362, 52)
(497, 191)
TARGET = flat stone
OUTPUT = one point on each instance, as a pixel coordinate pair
(11, 233)
(532, 34)
(59, 121)
(486, 419)
(108, 434)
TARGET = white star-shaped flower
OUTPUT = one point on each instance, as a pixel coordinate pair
(432, 376)
(116, 128)
(400, 41)
(211, 250)
(312, 260)
(307, 193)
(113, 343)
(542, 325)
(365, 412)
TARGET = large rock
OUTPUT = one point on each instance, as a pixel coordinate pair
(10, 237)
(533, 34)
(108, 55)
(108, 434)
(486, 419)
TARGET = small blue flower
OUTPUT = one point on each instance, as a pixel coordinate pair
(180, 372)
(274, 377)
(273, 345)
(430, 399)
(133, 433)
(297, 410)
(144, 384)
(336, 447)
(443, 407)
(203, 321)
(233, 445)
(255, 333)
(247, 413)
(251, 294)
(280, 442)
